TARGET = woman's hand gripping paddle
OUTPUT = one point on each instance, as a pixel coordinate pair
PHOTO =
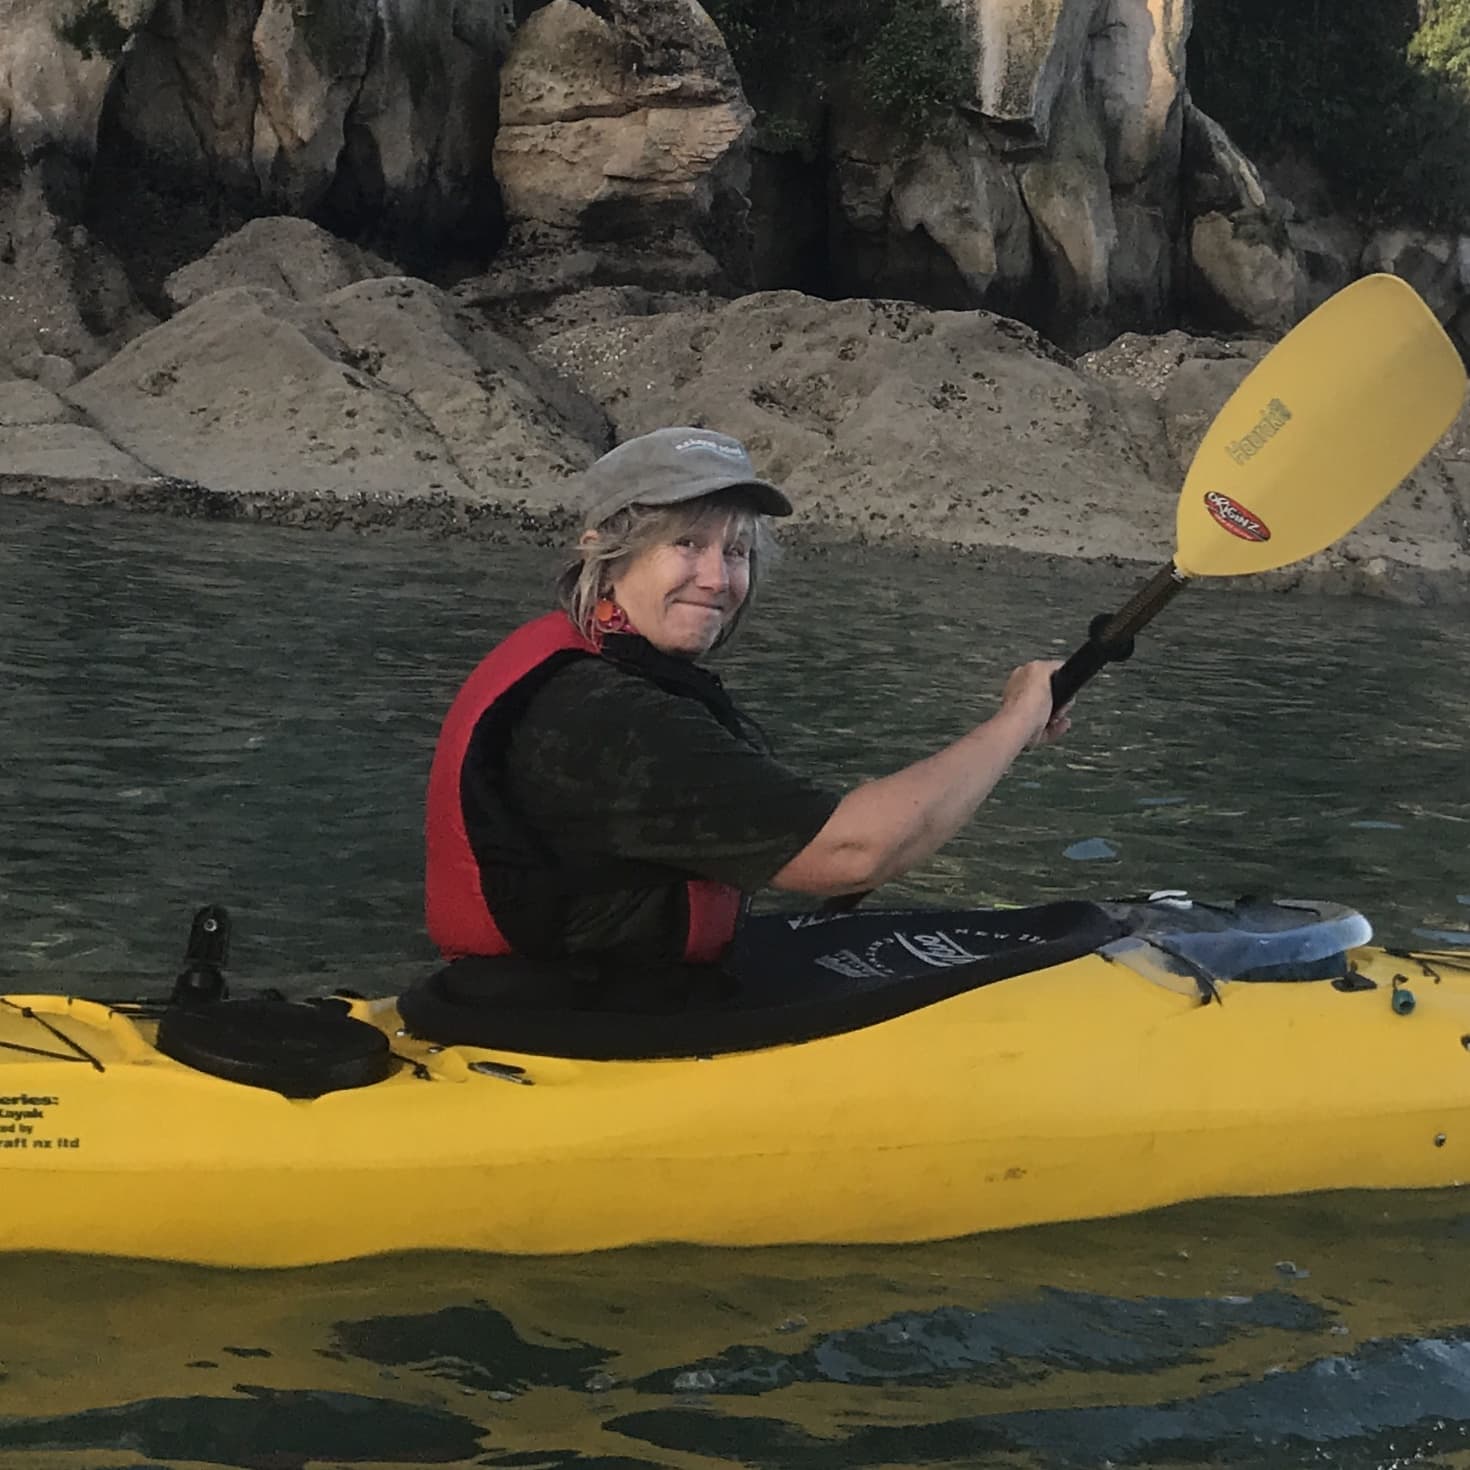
(1335, 416)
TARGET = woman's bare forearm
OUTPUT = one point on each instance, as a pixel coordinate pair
(883, 828)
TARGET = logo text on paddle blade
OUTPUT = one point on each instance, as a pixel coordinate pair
(1235, 518)
(1274, 417)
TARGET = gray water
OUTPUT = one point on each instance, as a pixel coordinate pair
(194, 712)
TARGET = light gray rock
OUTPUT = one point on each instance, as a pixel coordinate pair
(963, 199)
(63, 451)
(1415, 546)
(292, 257)
(1119, 62)
(381, 389)
(189, 92)
(564, 67)
(1071, 139)
(241, 392)
(1221, 179)
(513, 429)
(1326, 242)
(888, 420)
(62, 295)
(1187, 378)
(1136, 67)
(55, 373)
(310, 68)
(393, 104)
(1071, 205)
(25, 402)
(1245, 277)
(1141, 270)
(380, 114)
(1328, 251)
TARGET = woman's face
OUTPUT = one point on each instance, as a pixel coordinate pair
(681, 595)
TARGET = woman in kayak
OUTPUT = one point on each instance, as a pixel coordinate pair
(598, 801)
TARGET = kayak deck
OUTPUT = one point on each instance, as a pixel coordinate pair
(1083, 1089)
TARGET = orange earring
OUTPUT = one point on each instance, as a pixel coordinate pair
(609, 617)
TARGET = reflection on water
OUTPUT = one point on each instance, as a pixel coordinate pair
(199, 713)
(1180, 1338)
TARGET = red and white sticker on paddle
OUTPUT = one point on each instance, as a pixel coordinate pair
(1235, 518)
(1228, 512)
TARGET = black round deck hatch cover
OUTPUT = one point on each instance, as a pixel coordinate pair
(295, 1049)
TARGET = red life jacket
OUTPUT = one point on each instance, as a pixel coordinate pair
(456, 905)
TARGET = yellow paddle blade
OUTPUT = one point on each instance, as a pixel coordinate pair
(1327, 424)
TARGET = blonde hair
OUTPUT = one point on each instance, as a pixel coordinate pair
(588, 575)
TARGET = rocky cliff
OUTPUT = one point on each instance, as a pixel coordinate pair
(394, 252)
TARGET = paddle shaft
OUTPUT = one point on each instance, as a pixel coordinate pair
(1111, 637)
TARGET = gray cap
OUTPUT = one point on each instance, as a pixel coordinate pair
(670, 466)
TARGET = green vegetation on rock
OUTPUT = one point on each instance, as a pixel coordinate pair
(1442, 45)
(1375, 92)
(95, 31)
(911, 59)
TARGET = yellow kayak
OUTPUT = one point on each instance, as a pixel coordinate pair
(1139, 1073)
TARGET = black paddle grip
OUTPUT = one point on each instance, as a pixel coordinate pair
(1110, 638)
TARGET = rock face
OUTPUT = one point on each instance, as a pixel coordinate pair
(554, 145)
(1071, 139)
(377, 119)
(624, 143)
(163, 123)
(1244, 272)
(61, 295)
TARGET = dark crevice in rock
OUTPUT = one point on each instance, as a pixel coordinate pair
(792, 249)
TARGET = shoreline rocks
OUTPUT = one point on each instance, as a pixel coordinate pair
(542, 228)
(301, 387)
(1332, 573)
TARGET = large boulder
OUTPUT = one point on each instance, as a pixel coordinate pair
(384, 388)
(1436, 265)
(1326, 240)
(894, 422)
(293, 257)
(891, 421)
(179, 119)
(941, 222)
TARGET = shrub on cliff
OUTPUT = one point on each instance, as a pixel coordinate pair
(1376, 92)
(910, 59)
